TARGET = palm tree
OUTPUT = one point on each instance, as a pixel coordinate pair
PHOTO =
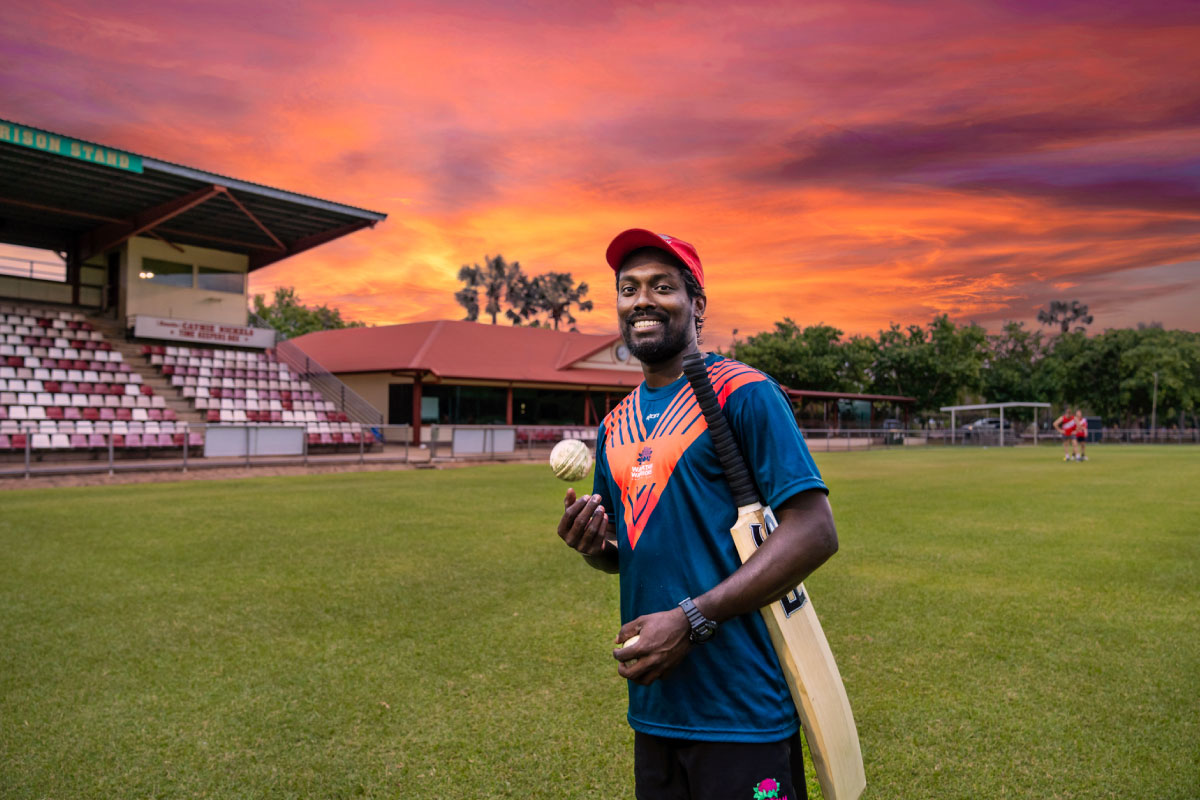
(558, 293)
(468, 296)
(525, 297)
(496, 278)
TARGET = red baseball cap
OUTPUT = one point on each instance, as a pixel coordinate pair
(635, 238)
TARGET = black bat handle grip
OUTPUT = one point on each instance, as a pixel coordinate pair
(732, 462)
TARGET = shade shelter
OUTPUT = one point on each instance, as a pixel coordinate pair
(989, 406)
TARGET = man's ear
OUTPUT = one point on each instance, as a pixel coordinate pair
(699, 304)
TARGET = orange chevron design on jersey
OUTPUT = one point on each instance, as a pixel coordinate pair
(641, 464)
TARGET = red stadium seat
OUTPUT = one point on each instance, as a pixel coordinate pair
(213, 415)
(19, 441)
(124, 414)
(169, 415)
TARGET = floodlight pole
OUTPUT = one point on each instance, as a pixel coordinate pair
(1002, 426)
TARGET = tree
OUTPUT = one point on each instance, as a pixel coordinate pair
(803, 358)
(496, 278)
(526, 301)
(557, 292)
(1063, 314)
(934, 366)
(291, 318)
(1012, 358)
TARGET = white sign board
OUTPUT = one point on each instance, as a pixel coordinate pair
(188, 330)
(242, 440)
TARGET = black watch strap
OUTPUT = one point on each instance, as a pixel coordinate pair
(702, 628)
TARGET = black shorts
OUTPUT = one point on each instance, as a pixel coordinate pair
(683, 769)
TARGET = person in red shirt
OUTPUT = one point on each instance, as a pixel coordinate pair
(1066, 426)
(1081, 434)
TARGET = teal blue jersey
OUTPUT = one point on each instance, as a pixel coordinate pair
(660, 477)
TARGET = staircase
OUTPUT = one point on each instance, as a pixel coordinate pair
(132, 354)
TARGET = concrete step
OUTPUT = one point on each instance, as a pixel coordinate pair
(131, 352)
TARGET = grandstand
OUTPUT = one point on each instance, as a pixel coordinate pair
(141, 342)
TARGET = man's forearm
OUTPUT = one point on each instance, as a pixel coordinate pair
(605, 560)
(805, 539)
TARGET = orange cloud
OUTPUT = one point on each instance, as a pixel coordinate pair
(853, 164)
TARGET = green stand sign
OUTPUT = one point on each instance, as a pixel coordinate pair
(12, 133)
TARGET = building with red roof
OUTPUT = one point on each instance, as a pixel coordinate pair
(454, 372)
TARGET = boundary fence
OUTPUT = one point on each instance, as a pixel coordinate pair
(112, 451)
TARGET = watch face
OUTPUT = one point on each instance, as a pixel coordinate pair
(622, 353)
(704, 631)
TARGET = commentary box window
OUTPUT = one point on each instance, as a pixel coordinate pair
(220, 280)
(170, 273)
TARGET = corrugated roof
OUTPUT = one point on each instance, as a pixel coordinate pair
(51, 201)
(467, 350)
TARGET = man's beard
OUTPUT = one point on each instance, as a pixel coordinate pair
(673, 342)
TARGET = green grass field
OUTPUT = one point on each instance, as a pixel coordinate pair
(1008, 626)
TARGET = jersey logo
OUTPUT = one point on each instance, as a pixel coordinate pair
(644, 467)
(641, 462)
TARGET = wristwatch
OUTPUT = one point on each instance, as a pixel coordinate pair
(702, 628)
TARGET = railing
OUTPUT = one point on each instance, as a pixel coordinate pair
(112, 452)
(328, 384)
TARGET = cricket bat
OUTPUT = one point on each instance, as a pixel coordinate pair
(808, 665)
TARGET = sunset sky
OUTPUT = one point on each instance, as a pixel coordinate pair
(853, 163)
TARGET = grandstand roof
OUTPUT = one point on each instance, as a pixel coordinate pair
(61, 193)
(467, 350)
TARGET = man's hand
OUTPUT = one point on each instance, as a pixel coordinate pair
(663, 642)
(585, 526)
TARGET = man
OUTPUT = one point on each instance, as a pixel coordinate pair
(1065, 425)
(1081, 434)
(711, 712)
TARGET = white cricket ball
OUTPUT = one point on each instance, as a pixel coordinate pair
(570, 459)
(627, 643)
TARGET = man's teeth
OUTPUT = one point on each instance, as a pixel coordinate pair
(646, 323)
